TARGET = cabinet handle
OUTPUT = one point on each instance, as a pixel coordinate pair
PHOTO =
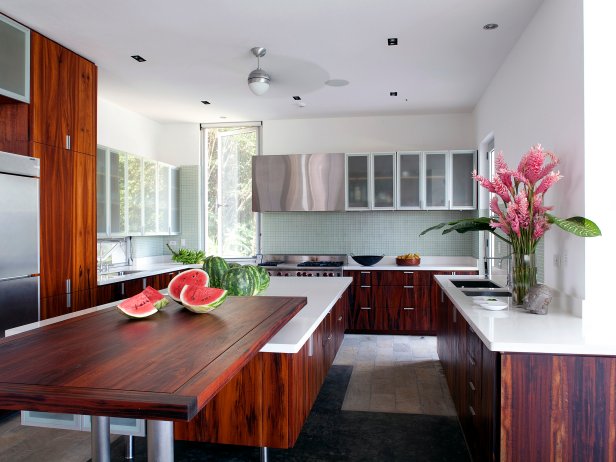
(144, 281)
(453, 273)
(68, 286)
(365, 308)
(330, 337)
(340, 318)
(442, 297)
(364, 272)
(472, 361)
(68, 141)
(311, 345)
(365, 287)
(472, 411)
(408, 308)
(409, 287)
(409, 272)
(471, 385)
(121, 288)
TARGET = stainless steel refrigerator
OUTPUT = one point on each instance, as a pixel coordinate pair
(19, 240)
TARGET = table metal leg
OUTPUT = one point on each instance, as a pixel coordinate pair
(160, 441)
(264, 455)
(101, 450)
(128, 447)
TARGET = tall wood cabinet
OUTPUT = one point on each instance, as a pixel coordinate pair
(62, 119)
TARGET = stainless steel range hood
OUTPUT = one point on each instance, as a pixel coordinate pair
(298, 183)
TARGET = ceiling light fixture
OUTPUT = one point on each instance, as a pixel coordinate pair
(205, 102)
(392, 41)
(490, 26)
(258, 80)
(393, 93)
(337, 82)
(138, 58)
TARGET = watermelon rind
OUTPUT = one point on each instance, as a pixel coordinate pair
(215, 267)
(201, 300)
(195, 276)
(137, 307)
(240, 281)
(158, 300)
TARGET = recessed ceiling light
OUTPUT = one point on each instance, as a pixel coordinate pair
(490, 26)
(205, 102)
(223, 117)
(337, 82)
(296, 98)
(393, 93)
(392, 41)
(138, 58)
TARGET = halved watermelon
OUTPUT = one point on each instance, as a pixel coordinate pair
(194, 277)
(199, 299)
(138, 306)
(158, 300)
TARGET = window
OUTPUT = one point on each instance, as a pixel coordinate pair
(230, 224)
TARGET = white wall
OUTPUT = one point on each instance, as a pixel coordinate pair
(119, 128)
(537, 96)
(361, 134)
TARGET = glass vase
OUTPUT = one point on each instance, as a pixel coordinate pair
(523, 275)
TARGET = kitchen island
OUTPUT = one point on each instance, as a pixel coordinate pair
(527, 386)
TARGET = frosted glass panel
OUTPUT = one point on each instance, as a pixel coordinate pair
(463, 190)
(174, 200)
(163, 199)
(409, 176)
(149, 196)
(436, 185)
(383, 180)
(101, 191)
(357, 184)
(134, 194)
(117, 192)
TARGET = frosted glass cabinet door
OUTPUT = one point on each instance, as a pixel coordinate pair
(163, 199)
(134, 194)
(117, 198)
(174, 200)
(409, 180)
(358, 181)
(436, 180)
(463, 187)
(101, 192)
(384, 180)
(149, 197)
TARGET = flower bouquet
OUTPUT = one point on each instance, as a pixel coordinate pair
(521, 217)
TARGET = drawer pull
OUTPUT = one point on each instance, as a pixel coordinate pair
(365, 308)
(472, 411)
(408, 308)
(364, 272)
(330, 337)
(472, 361)
(365, 287)
(409, 287)
(409, 272)
(340, 318)
(471, 385)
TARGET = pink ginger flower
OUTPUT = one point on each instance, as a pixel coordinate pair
(522, 212)
(483, 181)
(538, 207)
(519, 177)
(495, 186)
(501, 222)
(502, 170)
(541, 225)
(548, 182)
(531, 163)
(549, 167)
(512, 218)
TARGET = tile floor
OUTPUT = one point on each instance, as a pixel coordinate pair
(399, 374)
(394, 373)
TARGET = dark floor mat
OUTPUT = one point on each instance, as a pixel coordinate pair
(330, 434)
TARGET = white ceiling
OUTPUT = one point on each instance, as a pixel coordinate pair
(200, 50)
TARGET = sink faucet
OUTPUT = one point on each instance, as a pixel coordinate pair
(500, 264)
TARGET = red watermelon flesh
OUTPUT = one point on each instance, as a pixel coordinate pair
(138, 306)
(158, 300)
(199, 299)
(193, 277)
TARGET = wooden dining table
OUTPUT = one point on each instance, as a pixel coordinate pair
(163, 368)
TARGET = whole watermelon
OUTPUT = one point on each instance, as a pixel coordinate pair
(263, 278)
(234, 265)
(215, 267)
(240, 281)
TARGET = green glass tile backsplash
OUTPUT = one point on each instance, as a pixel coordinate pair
(361, 233)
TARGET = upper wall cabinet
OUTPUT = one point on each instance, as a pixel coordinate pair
(63, 107)
(413, 180)
(14, 60)
(370, 181)
(135, 196)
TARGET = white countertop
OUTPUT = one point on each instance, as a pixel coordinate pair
(515, 330)
(321, 293)
(144, 270)
(427, 264)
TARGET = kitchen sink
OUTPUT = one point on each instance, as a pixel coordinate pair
(487, 292)
(116, 274)
(475, 283)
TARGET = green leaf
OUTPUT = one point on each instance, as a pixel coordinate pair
(465, 225)
(579, 226)
(439, 226)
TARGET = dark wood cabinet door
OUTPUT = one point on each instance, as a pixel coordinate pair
(362, 311)
(83, 222)
(56, 190)
(108, 293)
(83, 127)
(52, 105)
(133, 287)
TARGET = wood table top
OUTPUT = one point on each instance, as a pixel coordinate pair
(164, 367)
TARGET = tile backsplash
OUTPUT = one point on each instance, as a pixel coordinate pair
(383, 232)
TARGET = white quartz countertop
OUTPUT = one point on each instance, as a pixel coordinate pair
(515, 330)
(427, 264)
(141, 270)
(321, 296)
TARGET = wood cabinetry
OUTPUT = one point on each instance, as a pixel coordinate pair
(119, 290)
(393, 301)
(268, 401)
(63, 101)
